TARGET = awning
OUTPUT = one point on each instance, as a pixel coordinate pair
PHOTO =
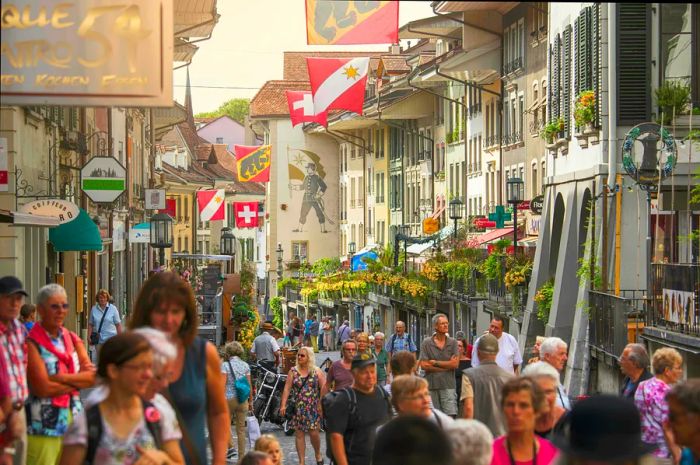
(530, 241)
(357, 260)
(140, 233)
(197, 256)
(26, 219)
(493, 235)
(439, 211)
(80, 234)
(417, 249)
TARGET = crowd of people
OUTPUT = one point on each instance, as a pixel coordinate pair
(155, 388)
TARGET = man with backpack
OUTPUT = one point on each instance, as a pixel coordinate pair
(400, 340)
(354, 413)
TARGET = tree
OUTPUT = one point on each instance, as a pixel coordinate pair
(236, 109)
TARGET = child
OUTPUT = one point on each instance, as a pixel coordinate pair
(27, 315)
(268, 443)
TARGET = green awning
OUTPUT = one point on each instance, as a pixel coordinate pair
(77, 235)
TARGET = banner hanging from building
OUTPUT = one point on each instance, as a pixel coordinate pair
(334, 22)
(253, 163)
(246, 214)
(87, 53)
(211, 205)
(301, 108)
(338, 83)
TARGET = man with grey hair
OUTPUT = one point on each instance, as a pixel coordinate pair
(634, 364)
(554, 351)
(471, 442)
(439, 358)
(509, 356)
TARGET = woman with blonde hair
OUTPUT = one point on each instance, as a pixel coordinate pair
(650, 400)
(410, 396)
(235, 368)
(363, 344)
(270, 445)
(303, 391)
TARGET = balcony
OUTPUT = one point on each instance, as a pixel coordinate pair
(675, 306)
(490, 141)
(614, 321)
(513, 66)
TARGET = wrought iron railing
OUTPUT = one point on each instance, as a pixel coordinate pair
(612, 317)
(512, 66)
(675, 295)
(490, 141)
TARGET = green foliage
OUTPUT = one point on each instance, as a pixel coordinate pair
(276, 307)
(696, 111)
(584, 109)
(236, 109)
(287, 282)
(324, 266)
(672, 98)
(552, 129)
(543, 298)
(492, 268)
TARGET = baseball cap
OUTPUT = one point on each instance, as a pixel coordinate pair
(487, 344)
(11, 285)
(362, 360)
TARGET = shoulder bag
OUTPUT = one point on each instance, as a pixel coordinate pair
(95, 335)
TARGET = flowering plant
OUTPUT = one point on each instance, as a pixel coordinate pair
(584, 109)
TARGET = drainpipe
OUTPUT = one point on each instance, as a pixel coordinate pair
(612, 95)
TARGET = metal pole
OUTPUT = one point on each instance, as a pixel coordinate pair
(515, 229)
(455, 232)
(396, 250)
(161, 256)
(649, 251)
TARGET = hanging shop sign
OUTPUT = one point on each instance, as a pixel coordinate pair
(431, 226)
(641, 157)
(524, 205)
(103, 179)
(537, 204)
(155, 199)
(87, 53)
(482, 223)
(63, 210)
(140, 233)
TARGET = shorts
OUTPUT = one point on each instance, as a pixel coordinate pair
(445, 400)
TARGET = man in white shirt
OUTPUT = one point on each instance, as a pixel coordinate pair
(553, 350)
(509, 357)
(265, 348)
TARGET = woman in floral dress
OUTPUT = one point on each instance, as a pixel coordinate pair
(303, 390)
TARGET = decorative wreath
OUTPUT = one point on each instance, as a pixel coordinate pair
(670, 152)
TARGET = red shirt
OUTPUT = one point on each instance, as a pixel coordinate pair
(545, 455)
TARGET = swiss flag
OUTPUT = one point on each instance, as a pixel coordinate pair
(301, 108)
(211, 205)
(338, 83)
(246, 214)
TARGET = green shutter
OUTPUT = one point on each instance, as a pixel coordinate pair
(633, 70)
(566, 80)
(596, 64)
(554, 83)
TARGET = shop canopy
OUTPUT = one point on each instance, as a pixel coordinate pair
(80, 234)
(493, 235)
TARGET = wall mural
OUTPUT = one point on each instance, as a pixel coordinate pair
(307, 183)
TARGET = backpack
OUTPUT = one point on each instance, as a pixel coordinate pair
(393, 340)
(93, 418)
(241, 385)
(353, 418)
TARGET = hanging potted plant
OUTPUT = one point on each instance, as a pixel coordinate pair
(584, 111)
(550, 132)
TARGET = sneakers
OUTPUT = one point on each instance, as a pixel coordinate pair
(231, 453)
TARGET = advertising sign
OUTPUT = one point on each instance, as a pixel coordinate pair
(536, 205)
(482, 223)
(87, 53)
(431, 226)
(3, 165)
(64, 210)
(103, 179)
(140, 233)
(155, 199)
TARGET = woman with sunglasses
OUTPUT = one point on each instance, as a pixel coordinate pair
(58, 366)
(303, 390)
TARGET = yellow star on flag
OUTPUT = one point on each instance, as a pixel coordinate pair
(217, 199)
(351, 72)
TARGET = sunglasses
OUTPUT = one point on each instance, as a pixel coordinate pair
(59, 306)
(301, 356)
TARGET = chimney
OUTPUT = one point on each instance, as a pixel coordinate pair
(395, 49)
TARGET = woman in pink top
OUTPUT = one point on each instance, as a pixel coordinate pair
(521, 401)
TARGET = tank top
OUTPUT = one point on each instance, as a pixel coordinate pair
(189, 395)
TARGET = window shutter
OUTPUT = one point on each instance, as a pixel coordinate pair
(583, 53)
(566, 80)
(554, 75)
(596, 64)
(633, 55)
(577, 56)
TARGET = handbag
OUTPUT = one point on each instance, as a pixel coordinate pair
(253, 430)
(95, 335)
(291, 409)
(240, 385)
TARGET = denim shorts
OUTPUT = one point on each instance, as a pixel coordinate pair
(445, 400)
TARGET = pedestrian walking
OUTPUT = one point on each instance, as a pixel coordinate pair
(411, 440)
(509, 357)
(410, 396)
(265, 349)
(482, 385)
(313, 331)
(58, 366)
(554, 352)
(197, 391)
(650, 400)
(339, 374)
(521, 403)
(269, 444)
(440, 358)
(123, 428)
(471, 441)
(302, 393)
(684, 419)
(400, 340)
(403, 363)
(353, 415)
(328, 332)
(634, 364)
(12, 340)
(297, 331)
(603, 430)
(307, 332)
(27, 315)
(382, 357)
(535, 351)
(344, 332)
(549, 418)
(238, 389)
(465, 362)
(363, 346)
(103, 321)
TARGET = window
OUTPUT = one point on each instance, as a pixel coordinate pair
(300, 249)
(535, 180)
(187, 244)
(521, 115)
(219, 140)
(680, 45)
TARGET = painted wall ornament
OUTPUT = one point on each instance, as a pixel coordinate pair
(656, 163)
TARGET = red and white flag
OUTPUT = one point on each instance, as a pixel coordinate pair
(211, 205)
(301, 108)
(332, 22)
(338, 83)
(246, 214)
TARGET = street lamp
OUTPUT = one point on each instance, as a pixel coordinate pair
(161, 234)
(456, 213)
(515, 191)
(280, 253)
(352, 248)
(227, 246)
